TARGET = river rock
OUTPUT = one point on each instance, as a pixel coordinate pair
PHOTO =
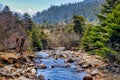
(30, 65)
(65, 55)
(24, 71)
(95, 72)
(16, 74)
(79, 70)
(69, 60)
(33, 71)
(31, 76)
(52, 66)
(23, 78)
(55, 57)
(11, 60)
(67, 65)
(1, 65)
(42, 66)
(60, 56)
(17, 65)
(7, 68)
(41, 77)
(29, 70)
(28, 59)
(86, 65)
(3, 78)
(80, 63)
(88, 77)
(19, 70)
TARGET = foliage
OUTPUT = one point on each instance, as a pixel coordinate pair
(69, 28)
(79, 22)
(113, 28)
(27, 21)
(105, 38)
(35, 39)
(107, 8)
(93, 38)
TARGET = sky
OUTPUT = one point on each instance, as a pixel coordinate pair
(32, 6)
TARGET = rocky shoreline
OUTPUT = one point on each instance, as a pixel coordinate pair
(23, 67)
(17, 67)
(95, 66)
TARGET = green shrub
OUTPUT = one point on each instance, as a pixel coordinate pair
(35, 38)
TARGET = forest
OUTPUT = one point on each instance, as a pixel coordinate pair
(83, 35)
(56, 14)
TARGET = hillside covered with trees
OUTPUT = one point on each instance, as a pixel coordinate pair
(56, 14)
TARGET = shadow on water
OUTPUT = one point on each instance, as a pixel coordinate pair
(57, 73)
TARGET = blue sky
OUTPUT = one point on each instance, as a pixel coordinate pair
(32, 6)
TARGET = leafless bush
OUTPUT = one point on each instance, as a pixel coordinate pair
(63, 39)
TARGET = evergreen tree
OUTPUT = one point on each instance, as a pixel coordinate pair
(105, 38)
(107, 8)
(79, 22)
(27, 21)
(35, 38)
(113, 28)
(6, 9)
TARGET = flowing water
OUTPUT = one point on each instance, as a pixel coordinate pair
(57, 73)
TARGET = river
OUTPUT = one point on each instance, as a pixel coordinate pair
(59, 72)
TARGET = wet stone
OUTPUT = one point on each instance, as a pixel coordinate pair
(79, 70)
(41, 77)
(69, 60)
(42, 66)
(88, 77)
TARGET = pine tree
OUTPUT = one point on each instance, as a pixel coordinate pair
(107, 8)
(27, 21)
(113, 28)
(35, 39)
(79, 22)
(105, 38)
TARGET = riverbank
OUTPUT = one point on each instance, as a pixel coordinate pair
(96, 67)
(17, 67)
(23, 67)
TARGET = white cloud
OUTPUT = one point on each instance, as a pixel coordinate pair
(29, 11)
(19, 11)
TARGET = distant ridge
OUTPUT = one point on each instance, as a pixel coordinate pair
(1, 6)
(55, 14)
